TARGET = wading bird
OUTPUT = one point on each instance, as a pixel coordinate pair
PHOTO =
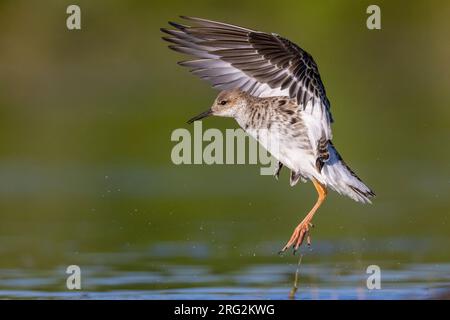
(269, 83)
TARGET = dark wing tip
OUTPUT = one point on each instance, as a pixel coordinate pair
(170, 40)
(177, 25)
(165, 30)
(174, 47)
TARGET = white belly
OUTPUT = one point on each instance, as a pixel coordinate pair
(288, 151)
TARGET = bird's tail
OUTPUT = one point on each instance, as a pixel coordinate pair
(341, 178)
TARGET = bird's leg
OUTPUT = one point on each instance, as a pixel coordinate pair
(277, 173)
(302, 229)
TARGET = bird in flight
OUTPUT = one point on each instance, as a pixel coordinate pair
(270, 85)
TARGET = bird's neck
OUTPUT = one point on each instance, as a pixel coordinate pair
(254, 114)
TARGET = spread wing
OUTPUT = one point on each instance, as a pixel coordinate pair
(263, 64)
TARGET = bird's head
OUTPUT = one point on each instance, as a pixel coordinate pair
(227, 104)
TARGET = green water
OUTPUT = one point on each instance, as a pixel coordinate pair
(86, 176)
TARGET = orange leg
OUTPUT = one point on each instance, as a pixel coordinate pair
(302, 229)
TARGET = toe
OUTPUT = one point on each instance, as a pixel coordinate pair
(308, 239)
(300, 239)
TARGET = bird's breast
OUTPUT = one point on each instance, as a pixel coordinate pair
(286, 139)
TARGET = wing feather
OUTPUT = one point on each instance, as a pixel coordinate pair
(263, 64)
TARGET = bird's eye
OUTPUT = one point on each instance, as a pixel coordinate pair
(223, 102)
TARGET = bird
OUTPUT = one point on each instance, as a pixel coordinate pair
(270, 85)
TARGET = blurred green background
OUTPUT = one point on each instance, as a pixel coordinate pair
(86, 118)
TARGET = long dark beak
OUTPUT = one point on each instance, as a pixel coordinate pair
(200, 116)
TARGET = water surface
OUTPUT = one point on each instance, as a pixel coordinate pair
(193, 271)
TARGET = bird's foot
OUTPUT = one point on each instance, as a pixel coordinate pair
(299, 234)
